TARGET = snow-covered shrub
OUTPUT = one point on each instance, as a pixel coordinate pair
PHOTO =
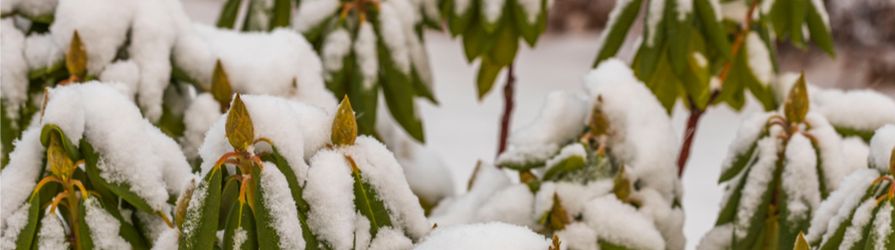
(858, 215)
(368, 45)
(779, 168)
(91, 173)
(593, 171)
(686, 42)
(484, 236)
(276, 177)
(491, 30)
(123, 43)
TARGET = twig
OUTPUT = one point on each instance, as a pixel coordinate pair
(508, 102)
(695, 112)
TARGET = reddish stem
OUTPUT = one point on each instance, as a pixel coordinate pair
(508, 102)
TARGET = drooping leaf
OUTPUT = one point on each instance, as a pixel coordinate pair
(239, 127)
(282, 14)
(28, 235)
(506, 44)
(311, 241)
(227, 18)
(399, 96)
(220, 86)
(367, 201)
(344, 128)
(796, 105)
(820, 30)
(229, 196)
(200, 231)
(617, 29)
(487, 74)
(559, 218)
(712, 26)
(76, 57)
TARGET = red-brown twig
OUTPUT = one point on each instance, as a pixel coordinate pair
(508, 104)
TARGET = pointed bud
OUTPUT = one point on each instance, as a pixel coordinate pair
(622, 186)
(559, 218)
(60, 164)
(344, 129)
(796, 105)
(76, 57)
(801, 243)
(220, 86)
(239, 128)
(599, 124)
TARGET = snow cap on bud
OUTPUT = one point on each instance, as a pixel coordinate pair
(239, 128)
(344, 129)
(796, 105)
(76, 57)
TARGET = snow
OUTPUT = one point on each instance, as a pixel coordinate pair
(151, 225)
(573, 196)
(123, 76)
(112, 124)
(881, 147)
(36, 8)
(281, 59)
(201, 114)
(176, 172)
(822, 11)
(393, 32)
(621, 224)
(103, 227)
(617, 9)
(312, 12)
(882, 225)
(632, 134)
(13, 223)
(716, 8)
(561, 119)
(667, 220)
(654, 16)
(579, 236)
(281, 206)
(21, 174)
(102, 25)
(862, 110)
(493, 10)
(379, 167)
(362, 235)
(41, 51)
(684, 8)
(748, 132)
(483, 236)
(509, 205)
(365, 50)
(759, 59)
(799, 174)
(718, 238)
(461, 7)
(532, 9)
(51, 234)
(239, 237)
(336, 46)
(830, 146)
(297, 130)
(390, 239)
(167, 241)
(756, 185)
(330, 194)
(14, 73)
(461, 209)
(837, 207)
(862, 216)
(856, 153)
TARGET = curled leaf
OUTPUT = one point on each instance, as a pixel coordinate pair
(344, 129)
(220, 86)
(239, 128)
(796, 106)
(76, 57)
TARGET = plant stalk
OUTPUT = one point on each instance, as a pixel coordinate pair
(508, 105)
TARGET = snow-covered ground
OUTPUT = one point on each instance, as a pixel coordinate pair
(464, 130)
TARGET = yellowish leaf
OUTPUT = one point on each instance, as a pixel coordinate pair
(622, 186)
(76, 57)
(796, 105)
(801, 243)
(599, 124)
(239, 128)
(60, 164)
(344, 129)
(559, 218)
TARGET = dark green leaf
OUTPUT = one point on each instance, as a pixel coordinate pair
(302, 206)
(282, 14)
(487, 74)
(200, 227)
(820, 31)
(28, 235)
(398, 92)
(227, 18)
(240, 220)
(712, 26)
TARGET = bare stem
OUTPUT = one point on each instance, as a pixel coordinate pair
(695, 112)
(508, 102)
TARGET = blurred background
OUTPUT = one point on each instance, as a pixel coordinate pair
(463, 130)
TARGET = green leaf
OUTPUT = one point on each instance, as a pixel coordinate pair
(200, 227)
(797, 18)
(398, 92)
(488, 26)
(240, 219)
(302, 206)
(761, 91)
(564, 167)
(763, 223)
(50, 129)
(474, 40)
(83, 240)
(122, 190)
(729, 209)
(820, 31)
(606, 245)
(457, 24)
(741, 159)
(344, 128)
(227, 18)
(239, 127)
(713, 27)
(367, 201)
(529, 31)
(796, 105)
(28, 235)
(835, 240)
(282, 14)
(365, 99)
(506, 45)
(76, 57)
(617, 29)
(487, 74)
(268, 238)
(220, 86)
(229, 196)
(558, 217)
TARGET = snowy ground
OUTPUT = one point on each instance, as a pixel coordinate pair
(464, 130)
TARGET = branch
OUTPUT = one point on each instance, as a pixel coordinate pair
(508, 102)
(695, 112)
